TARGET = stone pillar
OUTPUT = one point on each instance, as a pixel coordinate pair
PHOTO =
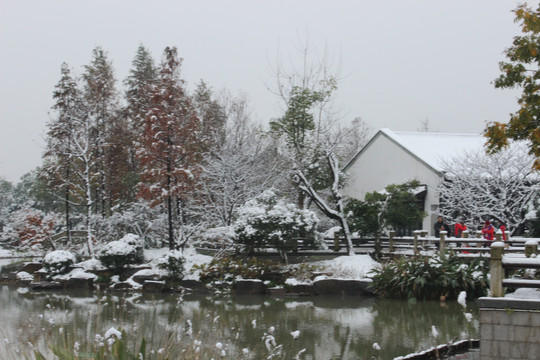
(496, 270)
(415, 242)
(336, 241)
(391, 241)
(479, 236)
(442, 241)
(465, 234)
(531, 247)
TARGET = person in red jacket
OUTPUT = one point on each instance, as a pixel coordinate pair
(488, 231)
(502, 227)
(459, 228)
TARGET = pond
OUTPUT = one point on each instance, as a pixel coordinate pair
(228, 327)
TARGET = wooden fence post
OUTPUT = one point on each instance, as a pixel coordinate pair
(496, 270)
(336, 241)
(442, 241)
(391, 235)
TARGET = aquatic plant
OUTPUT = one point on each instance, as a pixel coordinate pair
(441, 277)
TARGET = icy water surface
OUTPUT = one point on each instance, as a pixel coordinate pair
(233, 327)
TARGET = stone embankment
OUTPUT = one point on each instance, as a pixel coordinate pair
(143, 278)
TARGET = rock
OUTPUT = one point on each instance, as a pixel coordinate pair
(45, 285)
(79, 284)
(249, 286)
(129, 272)
(122, 286)
(142, 276)
(342, 287)
(32, 267)
(277, 291)
(300, 289)
(153, 286)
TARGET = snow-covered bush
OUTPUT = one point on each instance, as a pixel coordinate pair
(173, 263)
(29, 227)
(58, 261)
(118, 254)
(215, 238)
(269, 221)
(149, 223)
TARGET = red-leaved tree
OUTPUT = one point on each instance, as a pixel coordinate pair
(170, 146)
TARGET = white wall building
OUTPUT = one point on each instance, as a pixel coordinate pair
(392, 157)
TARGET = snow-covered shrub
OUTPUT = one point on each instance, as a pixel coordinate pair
(149, 223)
(173, 263)
(269, 221)
(216, 238)
(118, 254)
(29, 227)
(58, 261)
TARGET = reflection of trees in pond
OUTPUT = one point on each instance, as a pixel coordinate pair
(330, 327)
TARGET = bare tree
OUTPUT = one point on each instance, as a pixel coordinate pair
(479, 186)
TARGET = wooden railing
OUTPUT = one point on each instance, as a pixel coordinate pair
(422, 242)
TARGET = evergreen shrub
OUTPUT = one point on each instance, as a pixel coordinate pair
(119, 254)
(58, 261)
(173, 264)
(269, 221)
(425, 278)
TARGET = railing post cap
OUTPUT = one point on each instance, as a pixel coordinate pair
(443, 232)
(497, 244)
(417, 231)
(532, 242)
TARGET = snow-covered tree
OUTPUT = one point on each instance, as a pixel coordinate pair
(72, 139)
(29, 227)
(502, 186)
(239, 168)
(6, 201)
(101, 99)
(59, 162)
(170, 144)
(315, 143)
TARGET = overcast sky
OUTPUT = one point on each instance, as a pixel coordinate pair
(402, 61)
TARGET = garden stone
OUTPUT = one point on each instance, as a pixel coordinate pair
(153, 286)
(129, 272)
(300, 289)
(122, 286)
(342, 287)
(79, 284)
(45, 285)
(32, 267)
(249, 286)
(277, 291)
(143, 277)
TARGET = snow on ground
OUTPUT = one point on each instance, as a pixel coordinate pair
(349, 267)
(524, 293)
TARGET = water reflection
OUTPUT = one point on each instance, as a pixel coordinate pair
(330, 327)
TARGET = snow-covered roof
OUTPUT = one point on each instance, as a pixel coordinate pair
(431, 148)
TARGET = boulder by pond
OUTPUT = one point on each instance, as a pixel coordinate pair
(361, 287)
